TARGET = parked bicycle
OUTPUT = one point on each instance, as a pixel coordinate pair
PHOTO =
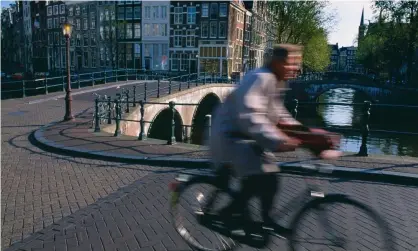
(312, 226)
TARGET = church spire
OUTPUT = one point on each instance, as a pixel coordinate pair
(362, 17)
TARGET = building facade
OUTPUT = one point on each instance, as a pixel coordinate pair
(106, 39)
(39, 37)
(334, 57)
(155, 35)
(55, 16)
(129, 36)
(185, 30)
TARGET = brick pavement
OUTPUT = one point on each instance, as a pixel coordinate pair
(137, 217)
(39, 189)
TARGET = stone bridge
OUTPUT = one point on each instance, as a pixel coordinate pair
(189, 119)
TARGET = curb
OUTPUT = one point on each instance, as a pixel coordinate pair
(286, 167)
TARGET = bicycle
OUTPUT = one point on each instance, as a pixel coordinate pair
(316, 201)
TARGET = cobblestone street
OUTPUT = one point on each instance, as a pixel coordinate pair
(84, 204)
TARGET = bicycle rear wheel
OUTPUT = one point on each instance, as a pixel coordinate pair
(195, 220)
(337, 222)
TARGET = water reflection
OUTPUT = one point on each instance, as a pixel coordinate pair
(382, 118)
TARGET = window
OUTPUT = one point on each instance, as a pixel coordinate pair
(50, 38)
(56, 22)
(205, 29)
(137, 51)
(62, 9)
(213, 11)
(191, 15)
(184, 62)
(137, 12)
(93, 57)
(222, 29)
(155, 13)
(121, 30)
(56, 37)
(222, 10)
(137, 30)
(112, 14)
(92, 39)
(163, 30)
(238, 34)
(163, 12)
(129, 31)
(86, 40)
(85, 24)
(63, 64)
(190, 39)
(213, 29)
(49, 21)
(77, 10)
(93, 21)
(78, 40)
(205, 10)
(147, 29)
(101, 31)
(177, 38)
(178, 15)
(147, 12)
(155, 54)
(155, 30)
(62, 38)
(77, 24)
(49, 10)
(84, 10)
(102, 57)
(129, 13)
(62, 20)
(175, 62)
(70, 11)
(86, 59)
(55, 9)
(147, 50)
(121, 13)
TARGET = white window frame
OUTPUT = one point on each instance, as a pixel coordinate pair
(155, 12)
(136, 25)
(85, 23)
(190, 38)
(147, 29)
(56, 10)
(191, 14)
(175, 62)
(184, 60)
(62, 9)
(219, 34)
(178, 15)
(56, 24)
(49, 11)
(207, 29)
(177, 39)
(49, 23)
(210, 29)
(92, 20)
(205, 10)
(163, 12)
(147, 12)
(163, 30)
(226, 10)
(135, 17)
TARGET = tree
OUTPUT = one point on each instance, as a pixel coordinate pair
(305, 23)
(316, 54)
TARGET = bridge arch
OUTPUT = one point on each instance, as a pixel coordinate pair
(160, 128)
(206, 106)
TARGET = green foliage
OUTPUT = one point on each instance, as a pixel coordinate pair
(305, 23)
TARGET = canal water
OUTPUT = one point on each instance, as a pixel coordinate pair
(393, 130)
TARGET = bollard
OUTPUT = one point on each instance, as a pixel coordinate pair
(134, 97)
(23, 89)
(365, 132)
(208, 124)
(117, 118)
(295, 103)
(96, 116)
(141, 135)
(172, 139)
(145, 91)
(127, 101)
(169, 86)
(158, 87)
(109, 110)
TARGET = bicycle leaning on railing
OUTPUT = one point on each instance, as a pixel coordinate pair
(302, 234)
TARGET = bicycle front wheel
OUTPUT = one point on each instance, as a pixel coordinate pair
(337, 222)
(194, 205)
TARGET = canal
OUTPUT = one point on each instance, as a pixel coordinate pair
(393, 130)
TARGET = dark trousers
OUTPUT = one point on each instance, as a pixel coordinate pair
(264, 186)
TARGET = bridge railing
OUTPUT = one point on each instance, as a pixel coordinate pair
(108, 110)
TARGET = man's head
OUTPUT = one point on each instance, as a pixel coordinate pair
(285, 61)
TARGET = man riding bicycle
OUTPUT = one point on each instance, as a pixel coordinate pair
(245, 131)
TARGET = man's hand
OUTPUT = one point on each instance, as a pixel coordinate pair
(289, 145)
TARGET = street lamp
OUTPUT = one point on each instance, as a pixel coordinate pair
(66, 30)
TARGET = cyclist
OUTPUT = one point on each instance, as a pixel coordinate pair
(253, 112)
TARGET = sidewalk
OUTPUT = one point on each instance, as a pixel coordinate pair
(78, 139)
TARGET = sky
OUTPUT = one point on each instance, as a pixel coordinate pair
(347, 14)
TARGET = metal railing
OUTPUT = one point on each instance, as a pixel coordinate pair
(23, 88)
(107, 111)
